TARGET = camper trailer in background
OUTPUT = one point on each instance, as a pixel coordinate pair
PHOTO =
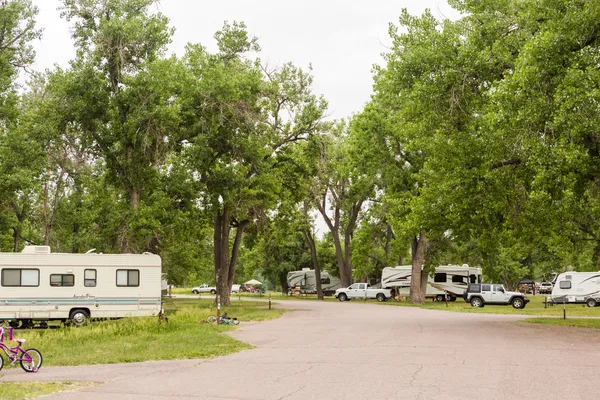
(451, 279)
(38, 285)
(305, 282)
(577, 287)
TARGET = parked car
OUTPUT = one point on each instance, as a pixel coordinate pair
(235, 288)
(480, 294)
(362, 291)
(546, 287)
(204, 288)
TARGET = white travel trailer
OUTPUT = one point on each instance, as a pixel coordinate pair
(452, 279)
(37, 285)
(306, 281)
(577, 287)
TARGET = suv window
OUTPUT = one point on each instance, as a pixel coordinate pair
(475, 287)
(498, 288)
(486, 288)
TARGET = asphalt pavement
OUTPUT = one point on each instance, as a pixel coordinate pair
(352, 350)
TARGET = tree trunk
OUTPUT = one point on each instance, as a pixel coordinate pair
(221, 254)
(283, 282)
(16, 237)
(235, 251)
(313, 256)
(417, 294)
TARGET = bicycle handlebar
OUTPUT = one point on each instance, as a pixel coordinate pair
(10, 333)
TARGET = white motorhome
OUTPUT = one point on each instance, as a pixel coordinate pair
(577, 287)
(38, 285)
(306, 281)
(452, 279)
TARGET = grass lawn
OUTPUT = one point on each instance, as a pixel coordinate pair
(576, 322)
(186, 335)
(32, 390)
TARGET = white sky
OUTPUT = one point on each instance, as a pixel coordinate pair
(342, 39)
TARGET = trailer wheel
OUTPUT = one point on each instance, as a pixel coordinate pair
(342, 297)
(79, 317)
(591, 303)
(439, 298)
(380, 297)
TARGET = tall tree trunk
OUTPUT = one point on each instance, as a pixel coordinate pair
(235, 251)
(283, 283)
(221, 251)
(16, 237)
(417, 294)
(315, 261)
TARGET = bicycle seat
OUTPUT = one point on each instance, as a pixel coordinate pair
(20, 340)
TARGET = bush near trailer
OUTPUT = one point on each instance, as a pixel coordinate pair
(144, 338)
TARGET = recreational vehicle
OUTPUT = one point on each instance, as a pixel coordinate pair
(38, 285)
(305, 282)
(577, 287)
(451, 279)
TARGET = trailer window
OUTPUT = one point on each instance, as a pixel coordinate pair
(458, 278)
(62, 280)
(89, 278)
(565, 284)
(128, 277)
(325, 281)
(20, 277)
(473, 278)
(440, 277)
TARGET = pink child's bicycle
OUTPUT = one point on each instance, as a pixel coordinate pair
(31, 359)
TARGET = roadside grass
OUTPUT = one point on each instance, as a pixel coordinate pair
(575, 322)
(186, 335)
(32, 390)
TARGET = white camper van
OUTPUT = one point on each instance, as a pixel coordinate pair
(37, 285)
(452, 279)
(306, 282)
(577, 287)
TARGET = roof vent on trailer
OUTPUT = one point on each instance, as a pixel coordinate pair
(36, 250)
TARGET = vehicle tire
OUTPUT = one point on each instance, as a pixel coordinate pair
(79, 317)
(518, 303)
(213, 291)
(476, 302)
(342, 297)
(439, 297)
(380, 297)
(14, 324)
(195, 291)
(34, 363)
(452, 298)
(591, 302)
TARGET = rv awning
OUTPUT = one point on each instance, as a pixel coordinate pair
(253, 282)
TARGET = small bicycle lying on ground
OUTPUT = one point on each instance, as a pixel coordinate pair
(30, 359)
(225, 320)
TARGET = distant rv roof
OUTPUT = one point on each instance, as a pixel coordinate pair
(36, 250)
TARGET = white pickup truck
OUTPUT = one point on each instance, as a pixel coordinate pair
(204, 288)
(362, 291)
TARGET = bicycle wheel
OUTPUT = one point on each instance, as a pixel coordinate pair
(1, 362)
(31, 360)
(211, 319)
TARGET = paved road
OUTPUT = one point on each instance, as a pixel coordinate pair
(364, 351)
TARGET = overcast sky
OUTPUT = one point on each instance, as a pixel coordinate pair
(342, 39)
